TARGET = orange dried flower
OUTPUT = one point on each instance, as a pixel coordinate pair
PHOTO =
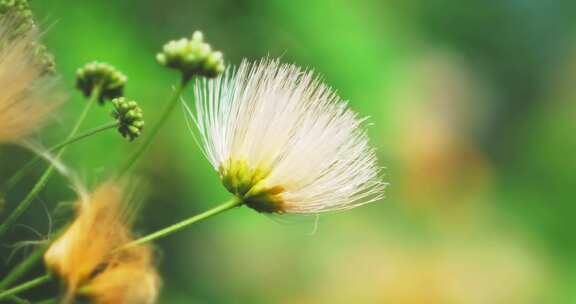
(87, 257)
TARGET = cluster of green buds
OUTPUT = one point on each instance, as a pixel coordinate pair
(101, 76)
(129, 116)
(192, 57)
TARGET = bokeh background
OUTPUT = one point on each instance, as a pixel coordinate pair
(473, 111)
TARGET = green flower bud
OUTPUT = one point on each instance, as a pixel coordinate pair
(129, 116)
(192, 57)
(108, 78)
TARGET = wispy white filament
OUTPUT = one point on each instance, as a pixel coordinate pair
(282, 118)
(26, 98)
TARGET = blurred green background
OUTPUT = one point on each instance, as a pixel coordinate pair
(473, 112)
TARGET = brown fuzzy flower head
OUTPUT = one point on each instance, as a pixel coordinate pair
(88, 258)
(26, 97)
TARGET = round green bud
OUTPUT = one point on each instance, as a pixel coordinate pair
(129, 116)
(197, 36)
(110, 81)
(192, 57)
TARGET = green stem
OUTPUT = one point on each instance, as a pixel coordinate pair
(155, 128)
(93, 99)
(18, 300)
(23, 205)
(25, 286)
(93, 131)
(17, 177)
(23, 267)
(234, 202)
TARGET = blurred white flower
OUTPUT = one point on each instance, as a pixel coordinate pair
(283, 141)
(27, 98)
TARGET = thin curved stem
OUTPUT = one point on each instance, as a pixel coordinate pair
(23, 205)
(232, 203)
(23, 267)
(25, 286)
(93, 131)
(17, 177)
(155, 128)
(93, 99)
(18, 300)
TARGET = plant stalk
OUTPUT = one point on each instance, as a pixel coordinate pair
(23, 205)
(232, 203)
(23, 267)
(18, 300)
(155, 128)
(25, 286)
(17, 177)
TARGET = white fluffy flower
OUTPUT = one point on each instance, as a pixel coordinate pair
(26, 98)
(284, 142)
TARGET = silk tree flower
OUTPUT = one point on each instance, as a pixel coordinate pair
(88, 255)
(283, 142)
(26, 99)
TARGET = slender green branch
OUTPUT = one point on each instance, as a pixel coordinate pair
(17, 177)
(23, 267)
(25, 286)
(18, 300)
(155, 128)
(93, 131)
(234, 202)
(23, 205)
